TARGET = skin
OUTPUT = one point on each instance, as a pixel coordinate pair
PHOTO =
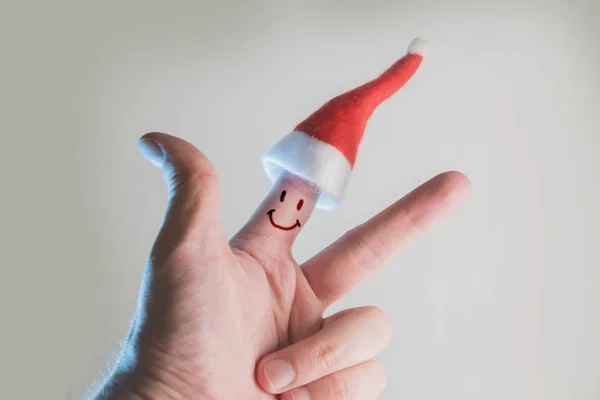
(220, 319)
(270, 213)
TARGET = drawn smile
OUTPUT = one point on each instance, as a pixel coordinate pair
(283, 228)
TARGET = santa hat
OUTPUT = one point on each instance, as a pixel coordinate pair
(323, 148)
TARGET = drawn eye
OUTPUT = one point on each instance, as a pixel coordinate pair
(300, 203)
(282, 197)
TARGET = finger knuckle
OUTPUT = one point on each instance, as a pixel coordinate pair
(379, 322)
(411, 219)
(206, 177)
(193, 184)
(339, 388)
(191, 176)
(379, 376)
(325, 356)
(374, 312)
(367, 248)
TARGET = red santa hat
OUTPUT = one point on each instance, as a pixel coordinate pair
(323, 148)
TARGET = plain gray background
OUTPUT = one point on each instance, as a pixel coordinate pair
(501, 301)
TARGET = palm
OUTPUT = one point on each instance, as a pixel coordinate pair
(263, 308)
(249, 316)
(276, 307)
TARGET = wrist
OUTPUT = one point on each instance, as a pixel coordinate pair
(154, 375)
(120, 385)
(147, 388)
(140, 386)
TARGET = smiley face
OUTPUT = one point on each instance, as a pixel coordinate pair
(272, 211)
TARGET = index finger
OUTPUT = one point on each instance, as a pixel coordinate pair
(357, 255)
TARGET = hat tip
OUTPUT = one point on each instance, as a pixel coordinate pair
(418, 46)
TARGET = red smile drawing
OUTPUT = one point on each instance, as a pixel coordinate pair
(283, 228)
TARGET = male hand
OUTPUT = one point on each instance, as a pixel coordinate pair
(241, 319)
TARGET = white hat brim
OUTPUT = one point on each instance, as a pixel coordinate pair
(313, 160)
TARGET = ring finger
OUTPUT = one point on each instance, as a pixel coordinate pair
(348, 338)
(365, 381)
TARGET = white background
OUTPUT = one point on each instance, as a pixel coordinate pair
(501, 301)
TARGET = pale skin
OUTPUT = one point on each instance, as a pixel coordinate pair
(241, 319)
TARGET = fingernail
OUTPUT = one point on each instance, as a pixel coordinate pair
(300, 394)
(152, 152)
(279, 373)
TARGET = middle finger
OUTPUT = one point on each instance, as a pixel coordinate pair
(280, 217)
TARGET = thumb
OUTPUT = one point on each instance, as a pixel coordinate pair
(193, 188)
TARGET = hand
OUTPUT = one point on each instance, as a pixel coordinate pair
(242, 320)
